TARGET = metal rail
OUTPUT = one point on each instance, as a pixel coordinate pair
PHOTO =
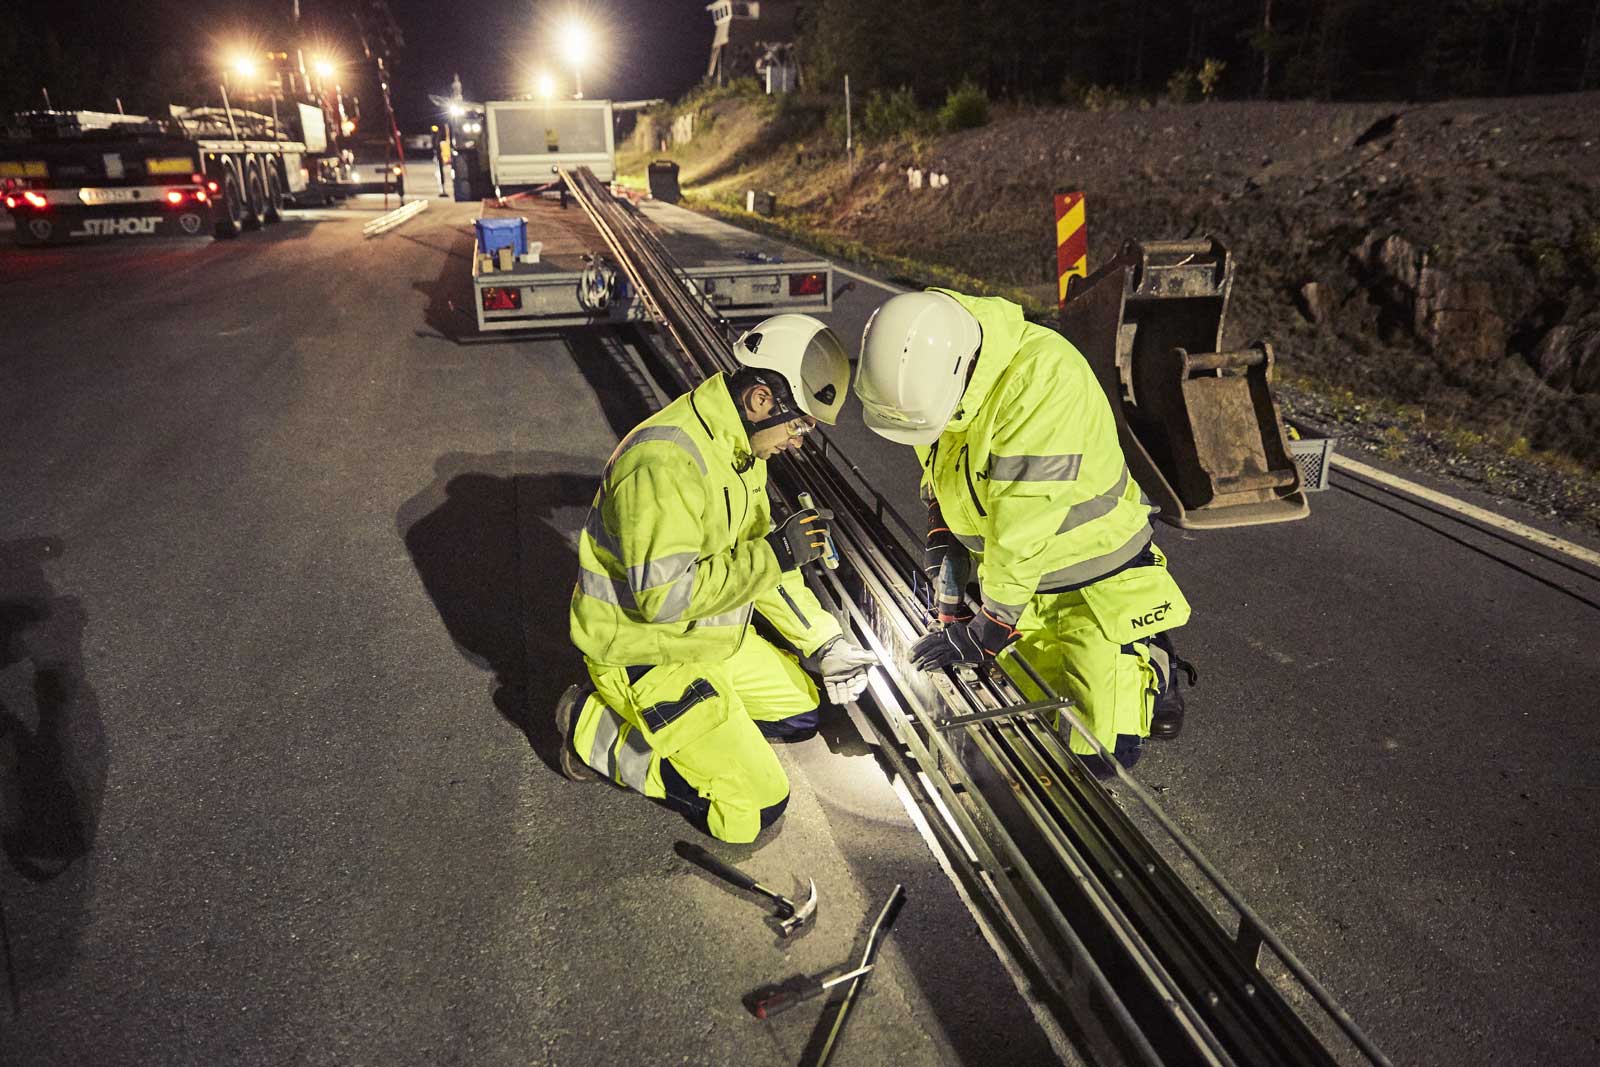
(1108, 931)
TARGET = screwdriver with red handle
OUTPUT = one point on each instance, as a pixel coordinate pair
(772, 999)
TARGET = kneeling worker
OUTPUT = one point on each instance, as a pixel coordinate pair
(1023, 474)
(677, 554)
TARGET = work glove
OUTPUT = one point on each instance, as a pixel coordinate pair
(843, 665)
(976, 642)
(802, 539)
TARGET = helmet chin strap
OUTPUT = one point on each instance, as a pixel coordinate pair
(783, 409)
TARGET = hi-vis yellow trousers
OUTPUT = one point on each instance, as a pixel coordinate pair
(696, 734)
(1102, 646)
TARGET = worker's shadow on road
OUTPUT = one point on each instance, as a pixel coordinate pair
(53, 765)
(494, 546)
(449, 313)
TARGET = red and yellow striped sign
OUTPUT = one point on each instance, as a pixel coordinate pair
(1072, 241)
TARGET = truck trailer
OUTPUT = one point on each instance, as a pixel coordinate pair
(77, 175)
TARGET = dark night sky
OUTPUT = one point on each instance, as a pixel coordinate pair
(647, 48)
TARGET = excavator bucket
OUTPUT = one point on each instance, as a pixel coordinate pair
(1199, 426)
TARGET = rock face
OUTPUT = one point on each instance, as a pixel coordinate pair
(1455, 318)
(1569, 357)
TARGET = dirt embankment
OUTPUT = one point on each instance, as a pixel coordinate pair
(1429, 275)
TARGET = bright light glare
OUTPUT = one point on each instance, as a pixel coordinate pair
(575, 42)
(456, 111)
(324, 68)
(245, 67)
(545, 86)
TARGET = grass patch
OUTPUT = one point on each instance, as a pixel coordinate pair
(914, 272)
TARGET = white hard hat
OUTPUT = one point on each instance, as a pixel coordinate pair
(915, 353)
(807, 354)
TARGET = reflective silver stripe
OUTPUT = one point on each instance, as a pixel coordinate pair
(661, 433)
(1035, 468)
(662, 570)
(1096, 506)
(1090, 569)
(727, 618)
(970, 542)
(609, 590)
(1158, 660)
(1006, 613)
(677, 600)
(633, 762)
(595, 527)
(601, 756)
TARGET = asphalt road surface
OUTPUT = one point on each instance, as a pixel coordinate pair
(284, 576)
(283, 582)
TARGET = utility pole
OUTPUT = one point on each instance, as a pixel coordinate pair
(1266, 46)
(849, 141)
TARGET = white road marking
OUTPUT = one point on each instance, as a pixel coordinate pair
(1471, 511)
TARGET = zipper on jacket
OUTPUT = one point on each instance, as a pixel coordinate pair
(966, 473)
(727, 502)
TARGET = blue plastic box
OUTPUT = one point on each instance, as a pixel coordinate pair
(495, 234)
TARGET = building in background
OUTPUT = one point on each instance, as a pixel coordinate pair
(754, 37)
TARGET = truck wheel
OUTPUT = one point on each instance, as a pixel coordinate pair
(232, 214)
(255, 197)
(273, 210)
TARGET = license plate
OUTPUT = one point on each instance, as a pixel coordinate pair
(108, 196)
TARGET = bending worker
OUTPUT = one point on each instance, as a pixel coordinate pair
(678, 553)
(1024, 477)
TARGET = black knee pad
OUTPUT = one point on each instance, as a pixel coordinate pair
(772, 812)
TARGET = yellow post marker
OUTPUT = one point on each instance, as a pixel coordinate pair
(1072, 241)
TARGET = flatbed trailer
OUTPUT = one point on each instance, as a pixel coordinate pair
(72, 176)
(575, 282)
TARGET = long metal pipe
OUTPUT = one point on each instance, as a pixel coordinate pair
(1127, 949)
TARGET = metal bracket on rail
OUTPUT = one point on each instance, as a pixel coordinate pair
(1015, 711)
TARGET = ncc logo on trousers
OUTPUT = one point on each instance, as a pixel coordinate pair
(129, 227)
(1150, 618)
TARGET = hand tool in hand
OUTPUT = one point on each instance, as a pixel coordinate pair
(769, 1000)
(830, 555)
(791, 916)
(802, 539)
(880, 929)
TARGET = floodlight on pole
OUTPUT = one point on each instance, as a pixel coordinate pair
(325, 68)
(544, 85)
(576, 45)
(244, 66)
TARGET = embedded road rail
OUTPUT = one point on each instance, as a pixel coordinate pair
(1123, 932)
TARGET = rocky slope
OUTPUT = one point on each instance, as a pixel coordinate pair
(1428, 274)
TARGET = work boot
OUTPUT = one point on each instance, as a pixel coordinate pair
(1167, 720)
(567, 709)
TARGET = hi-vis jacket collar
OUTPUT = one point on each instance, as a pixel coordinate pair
(714, 406)
(1002, 323)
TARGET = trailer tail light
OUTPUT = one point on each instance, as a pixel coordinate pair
(813, 284)
(200, 196)
(11, 202)
(497, 299)
(197, 179)
(36, 199)
(174, 196)
(211, 187)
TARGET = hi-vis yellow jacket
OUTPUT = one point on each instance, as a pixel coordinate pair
(673, 558)
(1029, 474)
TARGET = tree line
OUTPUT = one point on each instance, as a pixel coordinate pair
(1062, 50)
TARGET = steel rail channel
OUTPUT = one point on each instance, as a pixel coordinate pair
(1160, 958)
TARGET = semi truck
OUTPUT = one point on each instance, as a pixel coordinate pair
(558, 273)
